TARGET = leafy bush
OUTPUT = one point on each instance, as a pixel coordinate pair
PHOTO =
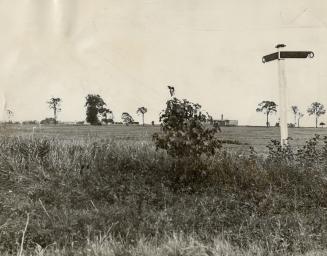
(312, 155)
(49, 120)
(187, 140)
(184, 133)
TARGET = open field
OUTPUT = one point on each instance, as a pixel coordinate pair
(246, 136)
(105, 190)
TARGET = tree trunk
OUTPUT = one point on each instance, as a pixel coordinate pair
(55, 115)
(267, 123)
(316, 122)
(298, 123)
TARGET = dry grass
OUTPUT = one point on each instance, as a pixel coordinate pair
(92, 197)
(175, 245)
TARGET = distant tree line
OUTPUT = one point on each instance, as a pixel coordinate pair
(316, 109)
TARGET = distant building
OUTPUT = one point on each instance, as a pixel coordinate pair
(226, 122)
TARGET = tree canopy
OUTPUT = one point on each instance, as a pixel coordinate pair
(142, 111)
(95, 106)
(267, 107)
(54, 103)
(184, 131)
(317, 109)
(127, 118)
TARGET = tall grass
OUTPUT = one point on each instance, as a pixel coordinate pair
(110, 198)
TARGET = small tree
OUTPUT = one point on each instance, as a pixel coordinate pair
(94, 106)
(300, 115)
(317, 109)
(322, 124)
(107, 115)
(142, 111)
(54, 103)
(10, 115)
(183, 131)
(295, 110)
(127, 118)
(267, 107)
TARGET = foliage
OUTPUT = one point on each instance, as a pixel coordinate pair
(54, 103)
(30, 122)
(127, 118)
(10, 115)
(317, 109)
(95, 106)
(48, 120)
(296, 111)
(142, 111)
(312, 155)
(107, 116)
(267, 107)
(183, 130)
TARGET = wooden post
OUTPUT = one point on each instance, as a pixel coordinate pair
(282, 99)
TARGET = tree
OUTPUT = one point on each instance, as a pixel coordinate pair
(267, 107)
(184, 133)
(127, 118)
(107, 115)
(10, 115)
(142, 111)
(322, 124)
(54, 103)
(295, 110)
(300, 115)
(94, 107)
(317, 109)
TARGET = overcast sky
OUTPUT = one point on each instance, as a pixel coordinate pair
(129, 51)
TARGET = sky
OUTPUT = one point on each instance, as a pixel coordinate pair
(129, 51)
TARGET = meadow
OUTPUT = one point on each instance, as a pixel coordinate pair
(242, 136)
(82, 190)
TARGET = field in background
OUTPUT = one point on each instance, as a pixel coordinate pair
(245, 136)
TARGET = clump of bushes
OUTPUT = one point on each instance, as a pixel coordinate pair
(312, 155)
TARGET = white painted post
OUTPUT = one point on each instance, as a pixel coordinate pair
(282, 100)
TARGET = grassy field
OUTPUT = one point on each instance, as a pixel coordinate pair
(258, 137)
(82, 190)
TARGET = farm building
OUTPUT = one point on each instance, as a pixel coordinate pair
(226, 122)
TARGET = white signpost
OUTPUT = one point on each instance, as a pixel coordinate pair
(281, 56)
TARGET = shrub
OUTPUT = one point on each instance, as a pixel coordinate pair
(49, 120)
(186, 138)
(183, 131)
(30, 122)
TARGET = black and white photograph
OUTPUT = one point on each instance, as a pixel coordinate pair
(163, 127)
